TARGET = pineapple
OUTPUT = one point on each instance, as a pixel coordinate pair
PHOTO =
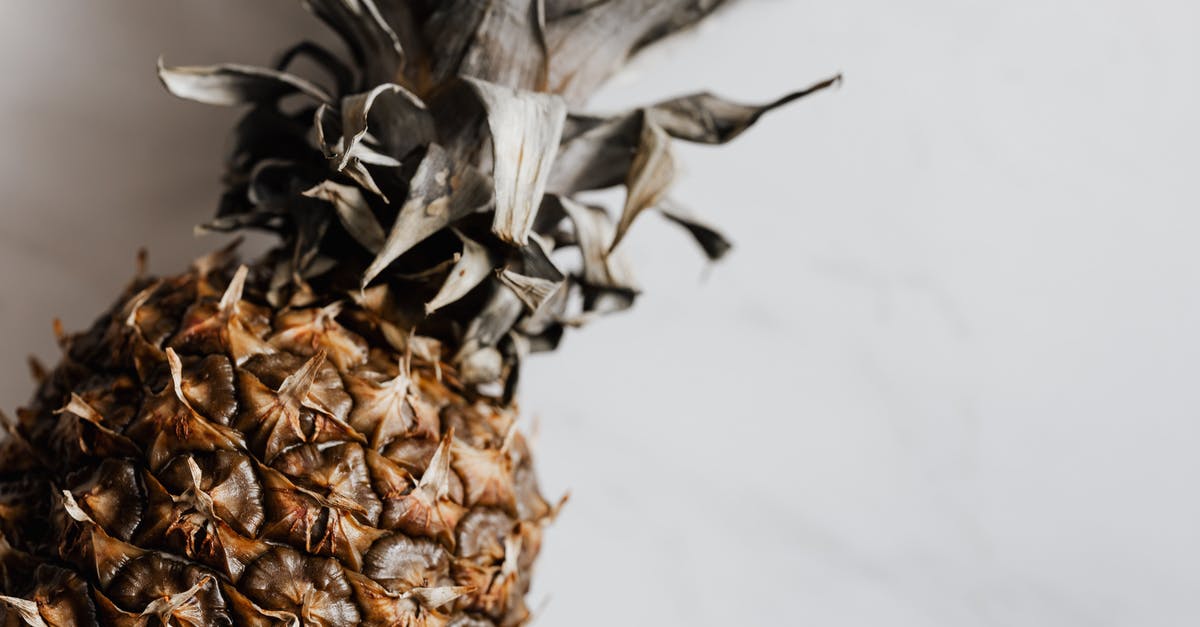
(327, 435)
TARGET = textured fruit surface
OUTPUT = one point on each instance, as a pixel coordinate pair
(201, 458)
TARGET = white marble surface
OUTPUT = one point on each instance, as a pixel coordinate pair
(947, 378)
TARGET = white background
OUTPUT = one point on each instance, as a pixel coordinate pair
(948, 377)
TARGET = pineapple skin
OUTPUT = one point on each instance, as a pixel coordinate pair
(201, 458)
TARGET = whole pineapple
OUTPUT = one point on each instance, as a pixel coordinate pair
(327, 436)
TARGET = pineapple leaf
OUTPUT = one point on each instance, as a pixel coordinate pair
(705, 118)
(526, 128)
(589, 41)
(401, 117)
(533, 277)
(471, 268)
(509, 46)
(441, 192)
(710, 240)
(594, 232)
(353, 212)
(650, 176)
(596, 153)
(341, 73)
(494, 320)
(231, 84)
(367, 31)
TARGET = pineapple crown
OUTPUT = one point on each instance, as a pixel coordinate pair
(441, 164)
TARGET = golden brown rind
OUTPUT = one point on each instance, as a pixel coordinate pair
(201, 458)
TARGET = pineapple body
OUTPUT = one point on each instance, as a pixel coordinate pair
(202, 458)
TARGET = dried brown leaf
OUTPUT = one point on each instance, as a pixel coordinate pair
(353, 212)
(526, 129)
(232, 84)
(400, 120)
(596, 153)
(709, 119)
(508, 47)
(442, 191)
(588, 41)
(710, 239)
(651, 175)
(472, 267)
(368, 33)
(594, 233)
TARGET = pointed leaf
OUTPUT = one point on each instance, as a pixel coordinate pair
(472, 268)
(358, 171)
(596, 154)
(714, 244)
(232, 84)
(710, 119)
(401, 120)
(450, 29)
(534, 278)
(652, 173)
(532, 291)
(588, 41)
(526, 128)
(375, 45)
(594, 232)
(441, 192)
(341, 73)
(509, 46)
(497, 317)
(353, 212)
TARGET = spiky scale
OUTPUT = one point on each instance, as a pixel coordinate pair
(232, 478)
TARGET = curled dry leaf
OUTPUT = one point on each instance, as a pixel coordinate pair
(322, 57)
(353, 212)
(709, 119)
(532, 290)
(508, 47)
(594, 231)
(369, 33)
(533, 276)
(651, 175)
(442, 191)
(232, 84)
(497, 317)
(526, 128)
(400, 119)
(710, 240)
(588, 41)
(596, 153)
(472, 267)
